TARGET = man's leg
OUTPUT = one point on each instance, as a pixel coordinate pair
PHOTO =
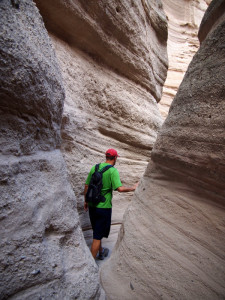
(100, 248)
(95, 247)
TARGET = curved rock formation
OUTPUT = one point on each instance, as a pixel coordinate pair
(213, 16)
(127, 36)
(184, 18)
(172, 241)
(43, 252)
(113, 59)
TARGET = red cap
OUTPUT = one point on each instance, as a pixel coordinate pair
(111, 152)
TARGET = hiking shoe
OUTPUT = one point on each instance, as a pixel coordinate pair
(103, 254)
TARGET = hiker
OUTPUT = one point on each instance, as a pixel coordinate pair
(100, 212)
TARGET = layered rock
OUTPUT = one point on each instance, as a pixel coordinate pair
(184, 18)
(113, 59)
(43, 252)
(129, 37)
(171, 244)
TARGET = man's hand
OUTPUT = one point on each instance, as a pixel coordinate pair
(85, 206)
(124, 189)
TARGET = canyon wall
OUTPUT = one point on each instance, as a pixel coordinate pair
(183, 18)
(114, 62)
(172, 241)
(43, 251)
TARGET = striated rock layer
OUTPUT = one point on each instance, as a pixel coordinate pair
(43, 252)
(184, 18)
(128, 36)
(113, 59)
(172, 241)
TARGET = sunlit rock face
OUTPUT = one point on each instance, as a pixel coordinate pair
(114, 62)
(172, 241)
(184, 17)
(43, 252)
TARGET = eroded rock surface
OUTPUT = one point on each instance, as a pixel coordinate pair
(172, 241)
(184, 18)
(113, 59)
(43, 252)
(128, 36)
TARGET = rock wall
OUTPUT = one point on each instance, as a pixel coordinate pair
(113, 59)
(171, 243)
(43, 252)
(184, 18)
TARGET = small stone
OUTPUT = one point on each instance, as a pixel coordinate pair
(35, 272)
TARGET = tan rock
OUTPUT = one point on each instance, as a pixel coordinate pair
(113, 74)
(171, 243)
(127, 36)
(102, 112)
(43, 251)
(184, 18)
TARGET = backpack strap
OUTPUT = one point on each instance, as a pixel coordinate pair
(102, 171)
(106, 168)
(97, 167)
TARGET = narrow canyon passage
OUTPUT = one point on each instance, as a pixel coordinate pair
(183, 23)
(80, 77)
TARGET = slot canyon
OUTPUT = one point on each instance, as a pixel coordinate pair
(147, 78)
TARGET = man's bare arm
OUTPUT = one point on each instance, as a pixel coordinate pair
(85, 189)
(123, 189)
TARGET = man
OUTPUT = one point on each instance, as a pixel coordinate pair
(100, 215)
